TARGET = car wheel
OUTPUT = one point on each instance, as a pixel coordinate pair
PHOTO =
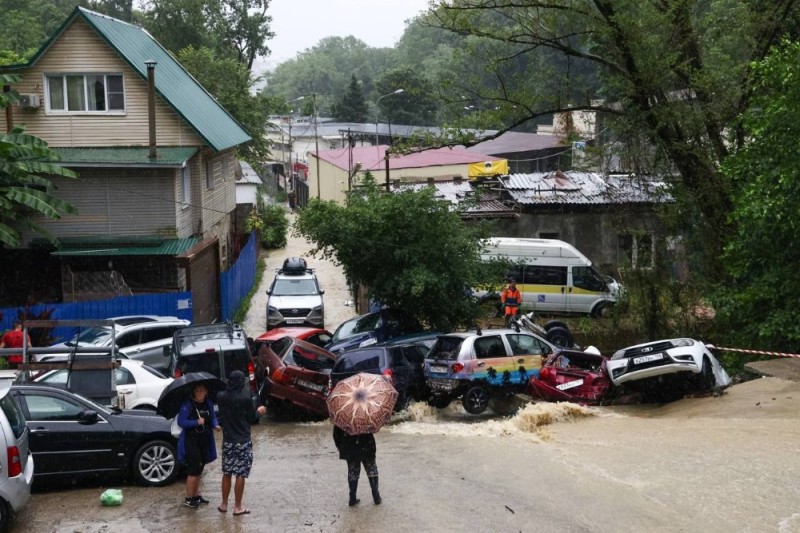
(439, 402)
(705, 379)
(503, 406)
(475, 400)
(561, 337)
(601, 310)
(5, 515)
(155, 464)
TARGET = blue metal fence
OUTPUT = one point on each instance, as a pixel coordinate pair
(238, 280)
(177, 304)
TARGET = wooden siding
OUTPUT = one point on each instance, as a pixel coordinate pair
(113, 202)
(80, 50)
(220, 201)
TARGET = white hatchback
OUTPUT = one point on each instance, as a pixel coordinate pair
(138, 385)
(16, 464)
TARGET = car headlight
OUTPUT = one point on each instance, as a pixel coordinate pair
(683, 342)
(368, 342)
(271, 311)
(316, 312)
(618, 354)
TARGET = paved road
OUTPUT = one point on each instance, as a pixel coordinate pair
(337, 294)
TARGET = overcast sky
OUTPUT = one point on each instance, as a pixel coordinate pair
(300, 24)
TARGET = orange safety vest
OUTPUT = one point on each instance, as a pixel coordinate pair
(511, 300)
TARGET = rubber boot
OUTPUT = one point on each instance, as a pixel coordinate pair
(353, 488)
(376, 496)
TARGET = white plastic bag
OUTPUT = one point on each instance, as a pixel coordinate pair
(175, 429)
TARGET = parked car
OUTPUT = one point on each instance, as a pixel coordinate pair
(484, 368)
(17, 464)
(394, 362)
(318, 336)
(667, 367)
(138, 385)
(415, 348)
(72, 437)
(294, 297)
(140, 337)
(371, 328)
(295, 373)
(572, 376)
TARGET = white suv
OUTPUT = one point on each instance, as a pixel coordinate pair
(16, 464)
(294, 298)
(140, 337)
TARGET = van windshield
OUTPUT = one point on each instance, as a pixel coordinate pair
(588, 278)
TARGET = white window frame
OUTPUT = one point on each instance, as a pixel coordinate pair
(186, 181)
(636, 245)
(50, 76)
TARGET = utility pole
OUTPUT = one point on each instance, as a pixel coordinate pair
(316, 140)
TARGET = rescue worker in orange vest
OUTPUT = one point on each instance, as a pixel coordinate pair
(511, 299)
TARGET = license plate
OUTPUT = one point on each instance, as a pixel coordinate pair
(570, 384)
(294, 320)
(440, 385)
(648, 358)
(439, 369)
(309, 385)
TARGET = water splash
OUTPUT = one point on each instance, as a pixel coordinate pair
(531, 422)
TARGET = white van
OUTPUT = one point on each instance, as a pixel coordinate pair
(553, 276)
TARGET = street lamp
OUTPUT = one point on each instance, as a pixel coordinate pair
(378, 110)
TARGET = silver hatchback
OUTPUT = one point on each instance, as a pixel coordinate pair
(16, 465)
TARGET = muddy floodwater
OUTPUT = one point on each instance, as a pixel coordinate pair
(727, 463)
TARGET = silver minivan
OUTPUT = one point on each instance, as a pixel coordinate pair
(16, 465)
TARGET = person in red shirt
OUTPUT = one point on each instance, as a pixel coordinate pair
(511, 298)
(13, 339)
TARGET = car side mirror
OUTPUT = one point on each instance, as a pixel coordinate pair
(321, 291)
(88, 417)
(168, 351)
(269, 292)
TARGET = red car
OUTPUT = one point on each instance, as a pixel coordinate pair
(317, 336)
(295, 373)
(572, 376)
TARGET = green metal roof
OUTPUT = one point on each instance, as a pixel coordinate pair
(121, 156)
(173, 83)
(116, 246)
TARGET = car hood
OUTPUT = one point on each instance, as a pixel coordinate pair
(299, 302)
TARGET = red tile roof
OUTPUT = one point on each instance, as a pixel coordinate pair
(371, 158)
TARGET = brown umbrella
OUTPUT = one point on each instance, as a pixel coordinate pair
(362, 403)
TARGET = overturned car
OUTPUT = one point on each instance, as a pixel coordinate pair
(572, 376)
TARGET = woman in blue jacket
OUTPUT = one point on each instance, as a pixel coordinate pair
(196, 445)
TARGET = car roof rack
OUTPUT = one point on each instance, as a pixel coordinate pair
(295, 266)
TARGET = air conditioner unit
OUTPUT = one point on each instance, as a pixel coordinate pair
(29, 101)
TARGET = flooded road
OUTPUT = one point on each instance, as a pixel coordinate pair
(709, 464)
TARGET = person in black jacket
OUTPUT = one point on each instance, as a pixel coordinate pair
(358, 450)
(235, 412)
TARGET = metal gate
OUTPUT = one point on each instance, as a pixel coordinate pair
(202, 279)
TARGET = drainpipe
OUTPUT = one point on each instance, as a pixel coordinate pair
(151, 105)
(9, 111)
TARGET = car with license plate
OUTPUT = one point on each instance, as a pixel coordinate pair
(484, 368)
(138, 385)
(294, 297)
(17, 464)
(672, 365)
(72, 437)
(572, 376)
(139, 337)
(393, 362)
(372, 328)
(295, 375)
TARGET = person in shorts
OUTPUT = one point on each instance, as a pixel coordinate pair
(235, 411)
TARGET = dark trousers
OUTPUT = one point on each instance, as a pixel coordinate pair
(354, 469)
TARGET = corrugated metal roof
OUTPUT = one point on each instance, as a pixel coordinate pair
(117, 156)
(116, 246)
(456, 192)
(173, 83)
(372, 158)
(514, 141)
(583, 188)
(248, 174)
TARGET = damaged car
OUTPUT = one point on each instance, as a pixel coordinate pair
(667, 368)
(573, 376)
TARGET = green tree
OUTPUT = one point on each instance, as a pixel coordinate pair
(759, 309)
(410, 249)
(24, 190)
(352, 107)
(244, 27)
(415, 106)
(675, 74)
(178, 24)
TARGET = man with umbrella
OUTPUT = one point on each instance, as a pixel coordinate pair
(236, 410)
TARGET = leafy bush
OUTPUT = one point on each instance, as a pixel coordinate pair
(275, 226)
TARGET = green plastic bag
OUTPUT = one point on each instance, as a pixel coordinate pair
(111, 497)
